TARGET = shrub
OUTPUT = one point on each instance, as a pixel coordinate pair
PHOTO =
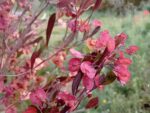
(24, 54)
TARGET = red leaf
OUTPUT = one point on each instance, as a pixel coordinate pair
(132, 49)
(120, 39)
(88, 83)
(31, 109)
(50, 26)
(76, 53)
(94, 31)
(69, 99)
(74, 64)
(1, 83)
(63, 3)
(97, 4)
(87, 68)
(76, 82)
(38, 96)
(92, 103)
(11, 109)
(111, 45)
(54, 110)
(35, 55)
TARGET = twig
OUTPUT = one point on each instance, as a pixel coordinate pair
(79, 111)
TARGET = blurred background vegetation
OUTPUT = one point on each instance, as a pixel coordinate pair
(131, 17)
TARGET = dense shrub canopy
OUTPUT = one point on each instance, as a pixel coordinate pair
(26, 55)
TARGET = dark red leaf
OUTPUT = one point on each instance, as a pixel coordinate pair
(90, 57)
(94, 31)
(110, 77)
(65, 109)
(99, 80)
(102, 56)
(62, 78)
(97, 4)
(31, 109)
(54, 110)
(92, 103)
(63, 3)
(35, 55)
(69, 99)
(76, 82)
(50, 26)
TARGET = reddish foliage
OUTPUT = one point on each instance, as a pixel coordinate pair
(31, 109)
(38, 97)
(20, 36)
(88, 83)
(97, 23)
(132, 49)
(35, 55)
(97, 4)
(74, 64)
(69, 99)
(92, 103)
(88, 69)
(50, 26)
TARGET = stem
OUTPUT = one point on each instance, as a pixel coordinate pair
(79, 111)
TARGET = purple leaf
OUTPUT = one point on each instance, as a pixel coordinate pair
(76, 82)
(92, 103)
(35, 55)
(50, 26)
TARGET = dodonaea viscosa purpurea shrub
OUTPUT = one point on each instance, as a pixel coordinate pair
(23, 49)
